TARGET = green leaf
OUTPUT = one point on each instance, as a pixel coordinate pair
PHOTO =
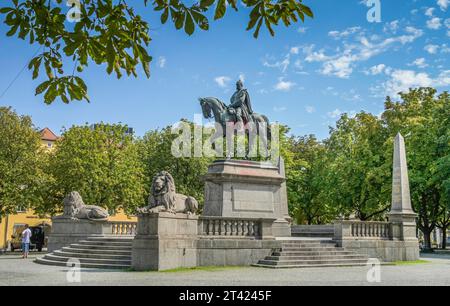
(165, 16)
(307, 10)
(220, 9)
(258, 27)
(146, 66)
(189, 26)
(42, 87)
(206, 3)
(5, 10)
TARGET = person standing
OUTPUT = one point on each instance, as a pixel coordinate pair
(26, 235)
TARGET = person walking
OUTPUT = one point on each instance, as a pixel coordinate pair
(26, 235)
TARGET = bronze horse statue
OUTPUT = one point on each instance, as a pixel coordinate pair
(222, 114)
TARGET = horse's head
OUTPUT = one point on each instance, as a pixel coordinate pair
(206, 108)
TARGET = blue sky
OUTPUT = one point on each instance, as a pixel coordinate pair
(305, 77)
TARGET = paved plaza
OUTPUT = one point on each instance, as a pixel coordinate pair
(16, 271)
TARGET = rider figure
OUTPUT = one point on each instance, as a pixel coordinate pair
(240, 104)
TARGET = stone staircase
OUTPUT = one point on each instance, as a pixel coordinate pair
(311, 253)
(94, 252)
(313, 231)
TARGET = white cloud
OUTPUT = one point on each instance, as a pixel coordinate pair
(298, 64)
(419, 62)
(432, 49)
(334, 114)
(316, 56)
(443, 4)
(282, 65)
(445, 48)
(302, 30)
(392, 26)
(162, 62)
(429, 12)
(222, 81)
(378, 69)
(310, 109)
(241, 77)
(347, 32)
(434, 23)
(402, 80)
(341, 64)
(283, 85)
(295, 50)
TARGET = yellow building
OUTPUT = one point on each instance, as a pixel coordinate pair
(10, 222)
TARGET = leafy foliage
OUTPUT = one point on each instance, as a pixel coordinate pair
(156, 155)
(110, 32)
(99, 162)
(21, 175)
(423, 118)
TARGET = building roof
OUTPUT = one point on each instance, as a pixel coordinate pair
(47, 134)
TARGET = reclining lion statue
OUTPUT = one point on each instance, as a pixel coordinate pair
(75, 208)
(163, 197)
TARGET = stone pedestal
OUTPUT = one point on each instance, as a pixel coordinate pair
(165, 241)
(246, 189)
(66, 231)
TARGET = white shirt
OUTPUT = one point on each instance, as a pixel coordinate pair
(26, 234)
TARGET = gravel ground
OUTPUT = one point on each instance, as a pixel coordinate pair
(17, 271)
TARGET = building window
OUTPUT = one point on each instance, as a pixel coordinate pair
(21, 209)
(49, 144)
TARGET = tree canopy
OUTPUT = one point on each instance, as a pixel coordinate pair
(101, 162)
(21, 163)
(113, 33)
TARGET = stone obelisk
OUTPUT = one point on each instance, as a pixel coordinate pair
(401, 214)
(282, 226)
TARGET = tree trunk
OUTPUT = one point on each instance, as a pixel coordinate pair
(444, 238)
(427, 239)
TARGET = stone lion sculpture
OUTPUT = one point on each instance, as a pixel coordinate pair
(163, 197)
(75, 208)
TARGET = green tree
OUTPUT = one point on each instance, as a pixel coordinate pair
(359, 166)
(423, 118)
(101, 163)
(112, 33)
(156, 155)
(305, 181)
(21, 175)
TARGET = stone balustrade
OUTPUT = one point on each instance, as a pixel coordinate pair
(352, 229)
(371, 229)
(232, 227)
(120, 228)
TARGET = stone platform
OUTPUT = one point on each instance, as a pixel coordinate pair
(248, 189)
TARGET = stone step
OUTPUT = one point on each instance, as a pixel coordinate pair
(113, 239)
(82, 265)
(315, 257)
(121, 262)
(109, 243)
(99, 247)
(301, 253)
(91, 255)
(97, 251)
(310, 249)
(314, 234)
(309, 266)
(312, 262)
(311, 241)
(307, 245)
